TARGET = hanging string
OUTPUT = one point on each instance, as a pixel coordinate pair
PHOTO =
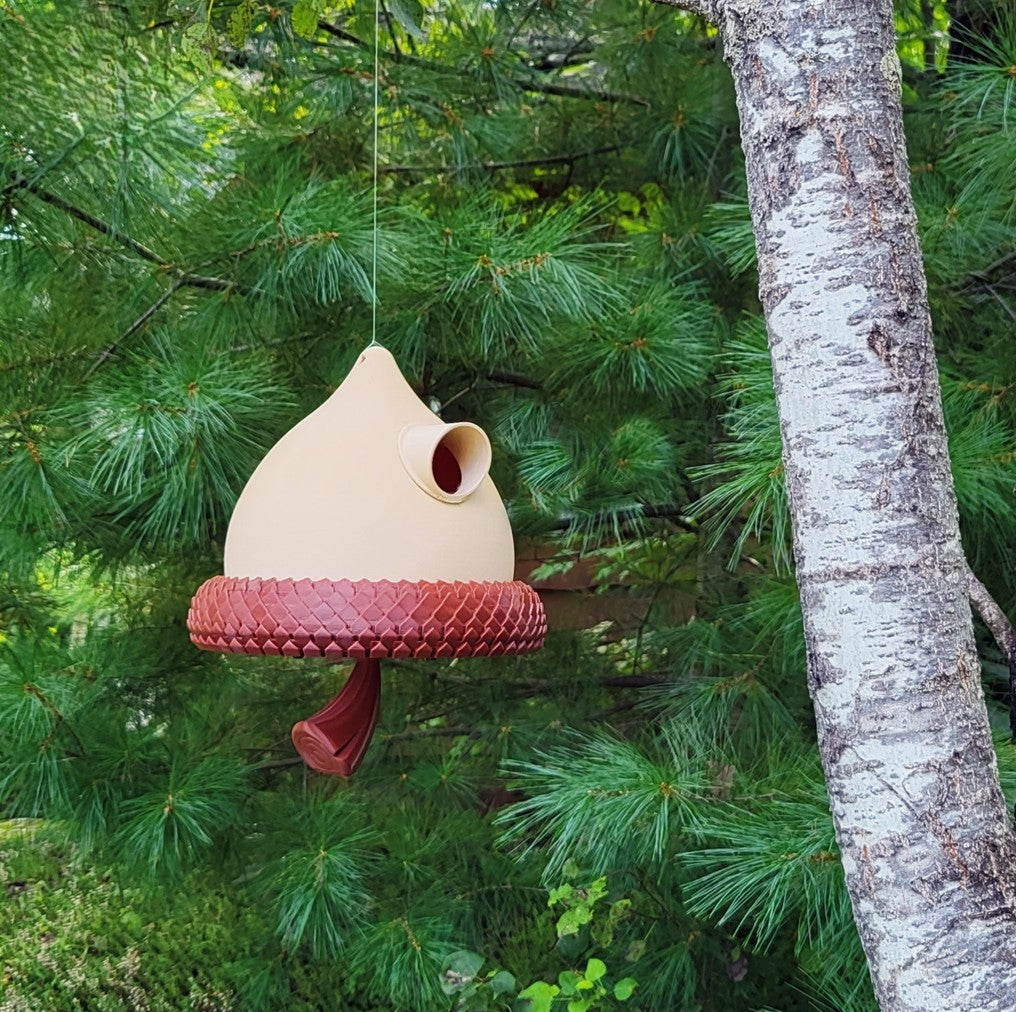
(373, 252)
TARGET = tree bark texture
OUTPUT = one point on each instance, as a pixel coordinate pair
(926, 841)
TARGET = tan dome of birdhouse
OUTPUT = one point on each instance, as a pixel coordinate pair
(373, 486)
(370, 530)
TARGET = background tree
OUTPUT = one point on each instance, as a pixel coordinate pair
(567, 258)
(921, 823)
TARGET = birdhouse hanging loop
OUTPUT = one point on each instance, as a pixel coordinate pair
(370, 530)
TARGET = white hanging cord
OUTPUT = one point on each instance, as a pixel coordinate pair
(373, 263)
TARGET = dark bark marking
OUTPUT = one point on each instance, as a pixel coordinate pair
(880, 342)
(774, 295)
(841, 156)
(876, 218)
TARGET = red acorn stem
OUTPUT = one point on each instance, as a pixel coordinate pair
(335, 738)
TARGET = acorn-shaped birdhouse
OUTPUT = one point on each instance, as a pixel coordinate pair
(370, 530)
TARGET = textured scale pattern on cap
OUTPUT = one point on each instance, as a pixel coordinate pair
(366, 618)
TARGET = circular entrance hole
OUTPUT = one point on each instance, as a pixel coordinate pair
(446, 461)
(445, 469)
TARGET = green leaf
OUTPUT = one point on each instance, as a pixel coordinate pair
(305, 17)
(595, 969)
(541, 995)
(571, 921)
(239, 24)
(569, 981)
(131, 921)
(503, 982)
(563, 892)
(198, 44)
(465, 963)
(625, 988)
(619, 910)
(603, 933)
(597, 890)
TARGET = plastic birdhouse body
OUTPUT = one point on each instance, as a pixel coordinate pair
(341, 495)
(370, 530)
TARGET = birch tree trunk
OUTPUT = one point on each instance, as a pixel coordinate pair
(926, 841)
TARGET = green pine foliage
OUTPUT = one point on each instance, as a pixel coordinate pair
(564, 256)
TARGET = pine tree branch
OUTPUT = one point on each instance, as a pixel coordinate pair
(669, 511)
(520, 24)
(434, 732)
(567, 91)
(634, 681)
(993, 292)
(619, 707)
(340, 33)
(514, 379)
(278, 764)
(640, 632)
(71, 356)
(531, 685)
(607, 681)
(92, 221)
(531, 84)
(1002, 261)
(573, 56)
(240, 349)
(53, 359)
(993, 617)
(391, 30)
(59, 718)
(522, 688)
(135, 326)
(567, 159)
(652, 511)
(983, 276)
(1002, 632)
(550, 63)
(128, 242)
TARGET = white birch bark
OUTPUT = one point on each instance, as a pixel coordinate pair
(926, 841)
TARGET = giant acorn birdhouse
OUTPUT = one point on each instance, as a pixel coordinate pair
(370, 530)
